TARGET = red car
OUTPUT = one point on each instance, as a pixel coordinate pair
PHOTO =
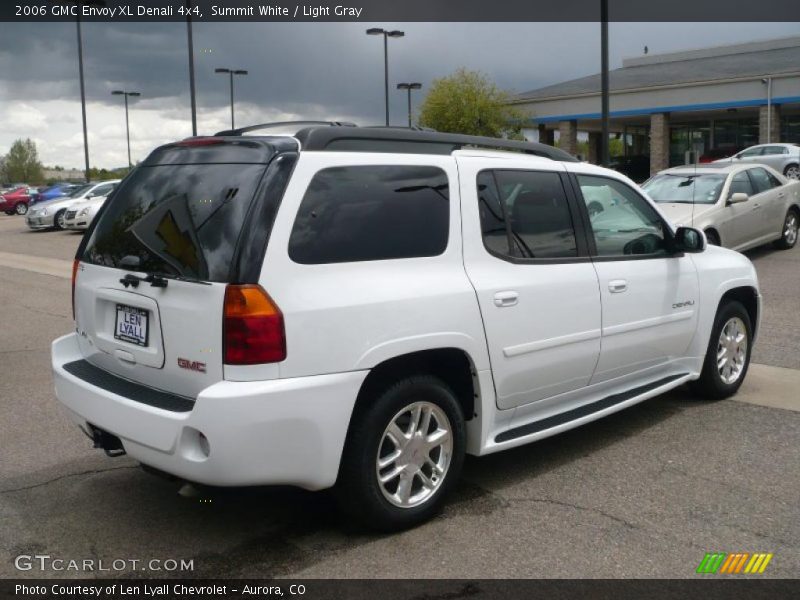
(17, 201)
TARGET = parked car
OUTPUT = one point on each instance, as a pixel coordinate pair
(51, 214)
(784, 158)
(713, 154)
(17, 200)
(81, 214)
(54, 191)
(739, 206)
(360, 307)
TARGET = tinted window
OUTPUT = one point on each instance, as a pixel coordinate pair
(524, 214)
(761, 180)
(626, 224)
(176, 219)
(752, 152)
(364, 213)
(776, 150)
(741, 184)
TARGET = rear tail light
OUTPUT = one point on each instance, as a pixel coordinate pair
(252, 329)
(75, 264)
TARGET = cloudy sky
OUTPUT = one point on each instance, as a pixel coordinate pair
(297, 71)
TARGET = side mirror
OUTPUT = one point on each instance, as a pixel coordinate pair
(689, 239)
(738, 198)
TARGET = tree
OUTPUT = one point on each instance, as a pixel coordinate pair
(467, 102)
(22, 162)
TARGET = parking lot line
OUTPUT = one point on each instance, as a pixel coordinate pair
(775, 387)
(37, 264)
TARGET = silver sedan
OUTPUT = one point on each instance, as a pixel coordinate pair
(784, 158)
(739, 206)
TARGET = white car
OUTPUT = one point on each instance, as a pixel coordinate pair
(739, 206)
(358, 308)
(80, 215)
(784, 158)
(51, 214)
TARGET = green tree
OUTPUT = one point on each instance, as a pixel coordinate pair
(22, 162)
(468, 102)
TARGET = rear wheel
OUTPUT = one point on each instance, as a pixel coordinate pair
(21, 208)
(404, 452)
(728, 354)
(712, 237)
(792, 171)
(789, 233)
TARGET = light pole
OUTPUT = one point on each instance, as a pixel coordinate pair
(80, 3)
(604, 103)
(191, 66)
(768, 82)
(231, 72)
(386, 35)
(127, 126)
(409, 87)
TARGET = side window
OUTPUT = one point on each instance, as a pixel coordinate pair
(771, 150)
(750, 152)
(741, 183)
(524, 214)
(761, 180)
(623, 222)
(364, 213)
(103, 190)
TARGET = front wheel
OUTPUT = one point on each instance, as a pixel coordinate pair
(792, 171)
(728, 354)
(789, 233)
(21, 208)
(404, 452)
(58, 221)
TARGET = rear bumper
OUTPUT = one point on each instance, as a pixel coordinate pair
(283, 431)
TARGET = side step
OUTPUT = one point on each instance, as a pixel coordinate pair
(583, 411)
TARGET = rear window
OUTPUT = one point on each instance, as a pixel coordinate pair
(364, 213)
(178, 220)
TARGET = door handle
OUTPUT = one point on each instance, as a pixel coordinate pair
(617, 285)
(781, 194)
(509, 298)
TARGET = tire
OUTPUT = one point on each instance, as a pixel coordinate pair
(381, 505)
(712, 238)
(789, 232)
(733, 320)
(20, 208)
(792, 171)
(58, 220)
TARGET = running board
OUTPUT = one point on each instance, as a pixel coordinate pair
(583, 411)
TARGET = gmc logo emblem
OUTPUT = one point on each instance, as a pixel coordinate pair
(192, 365)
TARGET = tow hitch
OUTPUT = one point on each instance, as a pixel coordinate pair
(110, 443)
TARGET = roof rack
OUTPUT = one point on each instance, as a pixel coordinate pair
(410, 141)
(283, 124)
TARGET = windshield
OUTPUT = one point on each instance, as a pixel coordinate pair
(689, 189)
(176, 220)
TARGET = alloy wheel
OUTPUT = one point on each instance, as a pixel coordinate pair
(21, 208)
(790, 229)
(732, 350)
(793, 172)
(414, 454)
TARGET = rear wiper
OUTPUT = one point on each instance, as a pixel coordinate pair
(133, 281)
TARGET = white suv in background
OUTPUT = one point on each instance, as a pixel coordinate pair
(360, 307)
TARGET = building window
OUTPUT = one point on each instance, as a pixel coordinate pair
(790, 129)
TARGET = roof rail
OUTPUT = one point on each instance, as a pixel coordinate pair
(410, 141)
(283, 124)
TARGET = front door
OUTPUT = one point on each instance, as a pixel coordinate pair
(649, 295)
(536, 286)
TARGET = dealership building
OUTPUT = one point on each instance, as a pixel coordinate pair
(673, 108)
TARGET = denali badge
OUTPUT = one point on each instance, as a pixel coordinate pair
(682, 304)
(192, 365)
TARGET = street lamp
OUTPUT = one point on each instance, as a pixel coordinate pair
(127, 127)
(386, 35)
(231, 72)
(409, 87)
(80, 3)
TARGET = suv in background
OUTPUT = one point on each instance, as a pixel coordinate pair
(359, 307)
(784, 158)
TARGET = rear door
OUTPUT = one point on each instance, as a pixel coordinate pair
(151, 282)
(771, 197)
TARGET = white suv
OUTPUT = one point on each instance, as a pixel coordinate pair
(360, 307)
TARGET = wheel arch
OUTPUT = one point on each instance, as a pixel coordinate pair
(747, 296)
(715, 231)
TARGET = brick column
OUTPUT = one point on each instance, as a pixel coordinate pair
(775, 124)
(659, 142)
(546, 136)
(568, 140)
(594, 147)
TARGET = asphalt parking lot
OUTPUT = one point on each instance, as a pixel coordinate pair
(643, 493)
